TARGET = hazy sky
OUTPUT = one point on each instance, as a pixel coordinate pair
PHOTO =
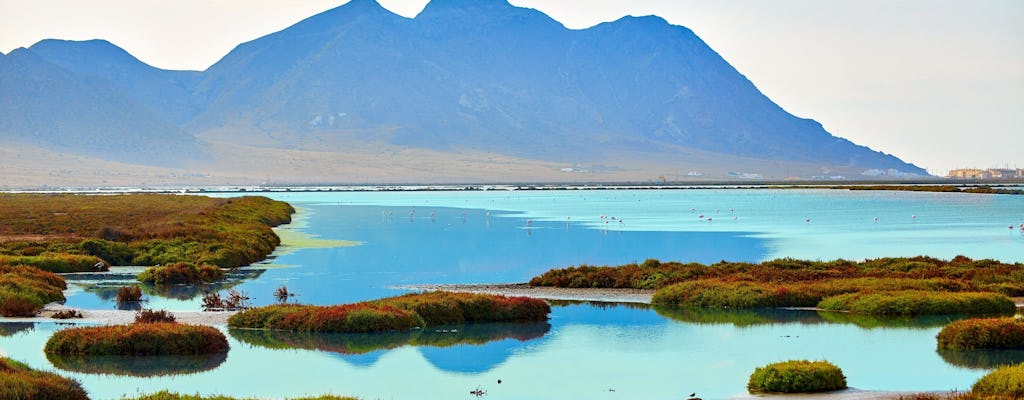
(939, 83)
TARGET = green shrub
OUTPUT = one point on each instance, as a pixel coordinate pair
(58, 263)
(982, 333)
(19, 382)
(181, 273)
(915, 302)
(1006, 381)
(797, 376)
(138, 339)
(719, 294)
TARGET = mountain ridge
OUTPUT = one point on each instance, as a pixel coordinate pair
(472, 77)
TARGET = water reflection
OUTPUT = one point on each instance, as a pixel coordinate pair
(891, 321)
(457, 348)
(775, 316)
(983, 359)
(585, 350)
(139, 366)
(752, 317)
(104, 286)
(740, 318)
(12, 328)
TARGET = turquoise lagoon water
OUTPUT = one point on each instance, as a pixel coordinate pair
(587, 351)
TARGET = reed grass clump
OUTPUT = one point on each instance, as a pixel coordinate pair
(19, 382)
(797, 376)
(181, 273)
(24, 290)
(982, 333)
(145, 316)
(138, 340)
(129, 293)
(1003, 383)
(915, 302)
(67, 314)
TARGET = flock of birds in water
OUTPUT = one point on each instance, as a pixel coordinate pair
(389, 216)
(479, 392)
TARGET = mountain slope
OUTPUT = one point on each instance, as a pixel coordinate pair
(45, 105)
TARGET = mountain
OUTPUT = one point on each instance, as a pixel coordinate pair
(165, 92)
(46, 106)
(464, 80)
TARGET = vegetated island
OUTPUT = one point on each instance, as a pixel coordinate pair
(187, 239)
(394, 314)
(908, 187)
(884, 286)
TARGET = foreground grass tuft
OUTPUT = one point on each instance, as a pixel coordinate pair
(19, 382)
(1006, 381)
(797, 376)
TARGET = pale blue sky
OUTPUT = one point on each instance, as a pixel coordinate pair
(939, 83)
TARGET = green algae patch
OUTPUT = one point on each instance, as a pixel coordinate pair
(293, 238)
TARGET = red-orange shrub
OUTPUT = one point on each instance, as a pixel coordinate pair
(982, 333)
(349, 318)
(138, 339)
